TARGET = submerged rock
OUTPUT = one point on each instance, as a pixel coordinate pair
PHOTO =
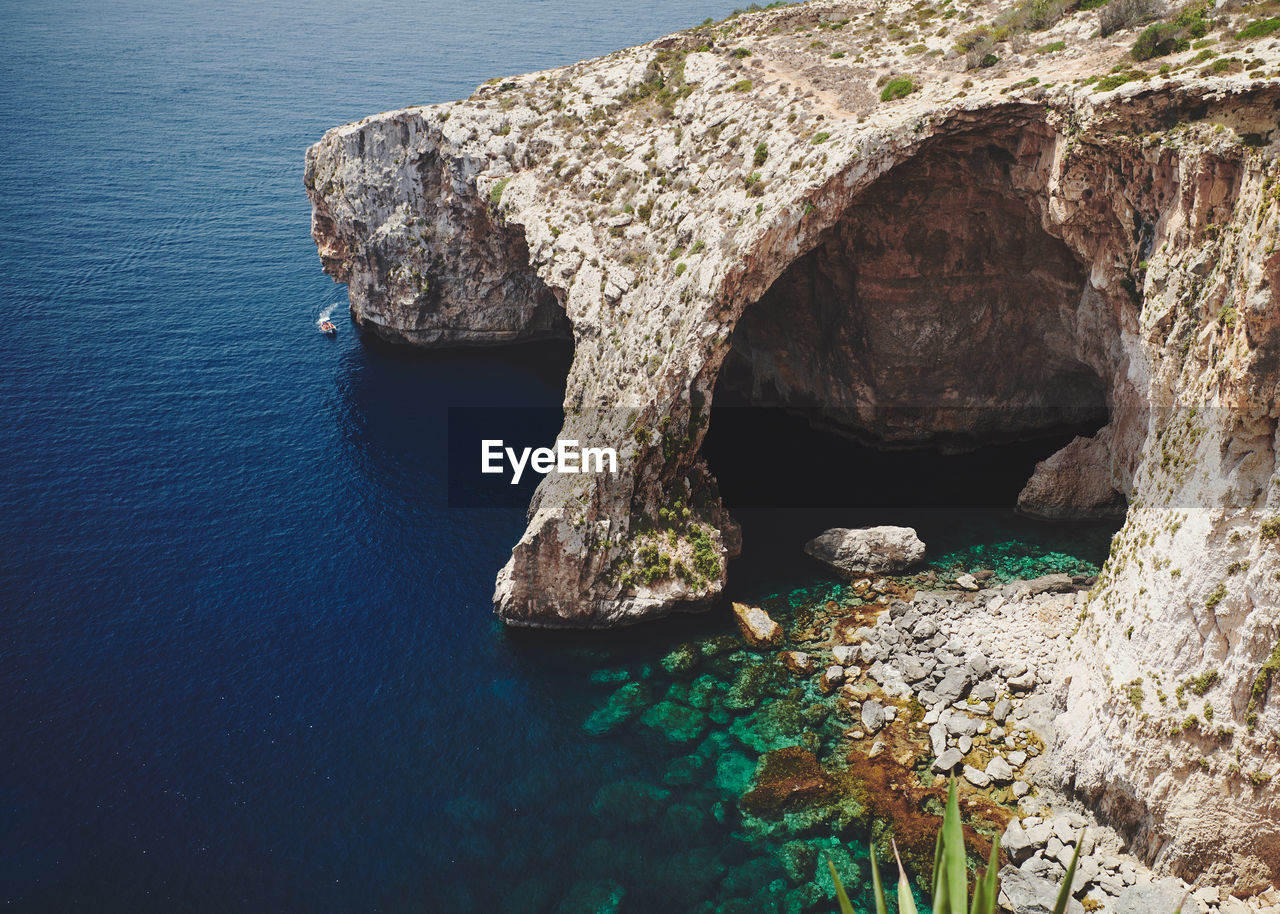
(867, 550)
(601, 897)
(675, 722)
(785, 779)
(686, 770)
(797, 859)
(734, 772)
(633, 802)
(798, 662)
(757, 627)
(682, 660)
(846, 866)
(620, 707)
(683, 826)
(752, 683)
(702, 693)
(779, 723)
(750, 877)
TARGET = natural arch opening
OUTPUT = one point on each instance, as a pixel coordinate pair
(937, 316)
(936, 311)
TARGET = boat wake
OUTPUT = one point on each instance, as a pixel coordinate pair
(327, 313)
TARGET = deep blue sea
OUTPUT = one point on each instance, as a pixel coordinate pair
(247, 656)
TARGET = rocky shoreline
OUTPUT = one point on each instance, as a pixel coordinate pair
(843, 713)
(963, 679)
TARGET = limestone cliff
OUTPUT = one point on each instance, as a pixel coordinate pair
(840, 211)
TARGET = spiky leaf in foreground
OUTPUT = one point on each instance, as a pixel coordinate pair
(987, 888)
(845, 906)
(950, 876)
(877, 890)
(906, 901)
(1064, 895)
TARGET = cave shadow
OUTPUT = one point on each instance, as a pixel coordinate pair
(786, 480)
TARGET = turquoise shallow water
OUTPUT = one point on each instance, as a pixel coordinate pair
(700, 719)
(247, 657)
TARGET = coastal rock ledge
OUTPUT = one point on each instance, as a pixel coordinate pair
(828, 207)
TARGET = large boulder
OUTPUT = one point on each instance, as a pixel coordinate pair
(867, 550)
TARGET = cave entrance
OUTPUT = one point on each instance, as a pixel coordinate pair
(916, 364)
(936, 311)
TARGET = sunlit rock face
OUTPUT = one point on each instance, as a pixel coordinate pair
(969, 263)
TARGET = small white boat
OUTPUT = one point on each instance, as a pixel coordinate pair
(328, 328)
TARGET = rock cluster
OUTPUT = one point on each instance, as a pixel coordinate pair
(983, 665)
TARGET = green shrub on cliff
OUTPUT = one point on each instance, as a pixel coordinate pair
(898, 87)
(1173, 36)
(1115, 80)
(705, 560)
(1259, 29)
(1034, 15)
(1203, 683)
(1261, 685)
(495, 192)
(1125, 14)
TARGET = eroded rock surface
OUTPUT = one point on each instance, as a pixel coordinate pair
(996, 253)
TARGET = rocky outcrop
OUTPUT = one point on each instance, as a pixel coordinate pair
(1076, 483)
(758, 629)
(867, 550)
(991, 255)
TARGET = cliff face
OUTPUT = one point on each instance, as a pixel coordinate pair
(1002, 250)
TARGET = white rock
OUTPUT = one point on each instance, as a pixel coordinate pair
(976, 777)
(867, 550)
(999, 771)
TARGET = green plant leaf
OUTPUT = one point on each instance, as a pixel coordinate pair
(877, 890)
(906, 901)
(845, 906)
(954, 897)
(1064, 895)
(987, 888)
(936, 889)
